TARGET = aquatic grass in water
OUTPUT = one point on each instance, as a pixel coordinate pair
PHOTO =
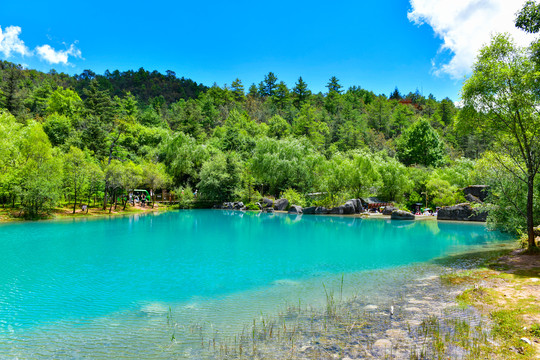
(168, 284)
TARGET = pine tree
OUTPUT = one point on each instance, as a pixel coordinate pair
(300, 93)
(237, 89)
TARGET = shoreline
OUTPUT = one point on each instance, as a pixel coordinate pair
(451, 315)
(6, 215)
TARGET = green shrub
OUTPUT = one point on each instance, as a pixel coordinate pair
(185, 197)
(252, 206)
(294, 197)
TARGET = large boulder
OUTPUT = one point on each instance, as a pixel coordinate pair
(320, 210)
(266, 202)
(268, 210)
(461, 212)
(346, 209)
(357, 203)
(295, 209)
(310, 210)
(228, 206)
(401, 215)
(479, 191)
(281, 204)
(238, 205)
(359, 208)
(388, 210)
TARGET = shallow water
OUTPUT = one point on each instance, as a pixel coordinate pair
(110, 287)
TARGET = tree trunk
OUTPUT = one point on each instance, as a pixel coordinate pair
(127, 200)
(75, 201)
(530, 218)
(105, 196)
(112, 203)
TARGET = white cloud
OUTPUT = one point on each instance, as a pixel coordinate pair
(47, 53)
(465, 26)
(10, 42)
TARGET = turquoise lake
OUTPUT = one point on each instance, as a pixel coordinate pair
(101, 288)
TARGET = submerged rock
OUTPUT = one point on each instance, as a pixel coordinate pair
(401, 215)
(382, 344)
(461, 212)
(281, 204)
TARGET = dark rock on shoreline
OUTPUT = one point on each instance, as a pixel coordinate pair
(281, 204)
(461, 212)
(238, 205)
(357, 203)
(266, 202)
(295, 209)
(310, 210)
(321, 210)
(268, 210)
(388, 210)
(401, 215)
(346, 209)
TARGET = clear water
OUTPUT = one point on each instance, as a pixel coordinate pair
(107, 287)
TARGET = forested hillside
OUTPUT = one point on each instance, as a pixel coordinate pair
(70, 139)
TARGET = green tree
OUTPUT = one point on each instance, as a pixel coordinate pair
(395, 180)
(238, 90)
(278, 127)
(281, 95)
(11, 138)
(58, 128)
(10, 90)
(268, 87)
(334, 85)
(502, 97)
(301, 93)
(75, 174)
(220, 177)
(283, 164)
(528, 18)
(40, 173)
(64, 102)
(364, 176)
(184, 158)
(420, 144)
(155, 177)
(309, 123)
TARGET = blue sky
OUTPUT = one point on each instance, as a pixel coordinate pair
(378, 45)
